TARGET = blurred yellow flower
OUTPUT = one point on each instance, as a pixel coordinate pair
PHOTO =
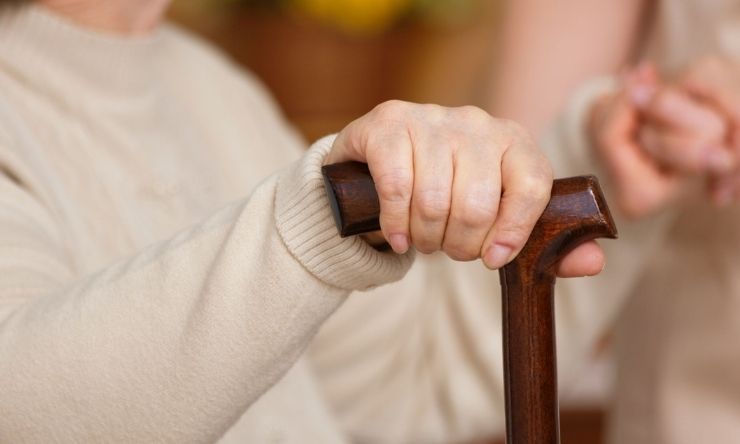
(356, 16)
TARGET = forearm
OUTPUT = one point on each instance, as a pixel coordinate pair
(175, 343)
(547, 49)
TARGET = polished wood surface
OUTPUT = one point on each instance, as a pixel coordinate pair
(578, 425)
(577, 212)
(353, 198)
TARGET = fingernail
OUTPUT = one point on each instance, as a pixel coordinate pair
(399, 243)
(719, 160)
(497, 256)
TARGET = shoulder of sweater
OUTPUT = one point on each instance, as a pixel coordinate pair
(184, 43)
(203, 59)
(189, 48)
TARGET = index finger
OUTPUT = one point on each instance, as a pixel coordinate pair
(526, 183)
(390, 162)
(385, 146)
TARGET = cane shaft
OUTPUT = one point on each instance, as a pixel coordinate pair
(576, 213)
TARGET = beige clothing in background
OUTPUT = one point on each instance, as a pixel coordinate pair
(678, 363)
(678, 375)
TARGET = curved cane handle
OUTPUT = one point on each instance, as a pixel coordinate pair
(577, 212)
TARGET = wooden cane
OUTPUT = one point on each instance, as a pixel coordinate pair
(577, 212)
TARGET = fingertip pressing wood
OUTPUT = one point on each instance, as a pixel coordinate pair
(577, 212)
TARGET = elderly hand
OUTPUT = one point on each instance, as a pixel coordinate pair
(455, 180)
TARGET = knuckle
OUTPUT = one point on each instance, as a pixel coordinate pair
(536, 184)
(515, 131)
(461, 252)
(383, 133)
(513, 233)
(394, 185)
(392, 222)
(472, 114)
(514, 127)
(475, 213)
(433, 109)
(435, 117)
(432, 205)
(392, 110)
(515, 136)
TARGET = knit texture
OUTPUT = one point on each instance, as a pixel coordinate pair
(306, 223)
(152, 285)
(163, 265)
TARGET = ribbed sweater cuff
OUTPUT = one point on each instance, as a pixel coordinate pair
(305, 222)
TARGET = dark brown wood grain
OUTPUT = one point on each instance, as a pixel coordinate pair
(353, 198)
(577, 212)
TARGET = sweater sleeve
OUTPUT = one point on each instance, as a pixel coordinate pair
(174, 343)
(424, 361)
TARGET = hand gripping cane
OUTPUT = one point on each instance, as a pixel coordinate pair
(577, 212)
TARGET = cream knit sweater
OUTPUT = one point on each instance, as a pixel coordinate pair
(145, 298)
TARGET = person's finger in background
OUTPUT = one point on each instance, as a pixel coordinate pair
(640, 185)
(681, 133)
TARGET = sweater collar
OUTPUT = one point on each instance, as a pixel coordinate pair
(59, 56)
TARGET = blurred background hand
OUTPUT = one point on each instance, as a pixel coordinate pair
(656, 137)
